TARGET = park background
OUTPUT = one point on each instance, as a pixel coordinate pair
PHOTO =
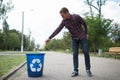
(41, 18)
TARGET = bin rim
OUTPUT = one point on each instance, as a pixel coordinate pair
(35, 53)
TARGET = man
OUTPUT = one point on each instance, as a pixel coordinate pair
(78, 30)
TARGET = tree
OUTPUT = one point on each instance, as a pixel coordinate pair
(38, 47)
(98, 7)
(98, 33)
(5, 7)
(60, 44)
(1, 40)
(14, 41)
(53, 45)
(98, 26)
(115, 34)
(32, 44)
(67, 41)
(29, 44)
(5, 33)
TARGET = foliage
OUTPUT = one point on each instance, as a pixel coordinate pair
(1, 40)
(115, 34)
(60, 44)
(12, 41)
(98, 32)
(99, 28)
(97, 6)
(5, 7)
(5, 33)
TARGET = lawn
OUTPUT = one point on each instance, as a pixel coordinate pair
(105, 55)
(8, 62)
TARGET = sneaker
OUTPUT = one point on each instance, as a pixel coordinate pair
(74, 74)
(89, 73)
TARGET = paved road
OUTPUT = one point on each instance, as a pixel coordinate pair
(58, 66)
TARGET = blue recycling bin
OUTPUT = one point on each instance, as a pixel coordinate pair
(35, 64)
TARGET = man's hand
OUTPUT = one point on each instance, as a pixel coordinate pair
(47, 41)
(87, 36)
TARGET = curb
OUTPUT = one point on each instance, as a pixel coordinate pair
(6, 76)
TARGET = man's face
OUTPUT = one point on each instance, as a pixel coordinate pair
(64, 15)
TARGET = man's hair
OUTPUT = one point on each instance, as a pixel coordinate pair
(64, 10)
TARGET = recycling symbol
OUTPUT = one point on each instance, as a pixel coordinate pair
(36, 65)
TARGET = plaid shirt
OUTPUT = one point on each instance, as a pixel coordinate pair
(76, 26)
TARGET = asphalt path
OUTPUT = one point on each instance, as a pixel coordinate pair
(59, 66)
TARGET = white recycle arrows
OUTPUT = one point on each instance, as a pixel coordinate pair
(32, 65)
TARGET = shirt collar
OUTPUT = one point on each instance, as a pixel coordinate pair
(71, 17)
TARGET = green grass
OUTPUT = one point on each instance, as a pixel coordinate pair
(106, 55)
(111, 56)
(8, 62)
(94, 54)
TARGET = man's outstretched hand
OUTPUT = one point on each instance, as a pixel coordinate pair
(87, 36)
(47, 41)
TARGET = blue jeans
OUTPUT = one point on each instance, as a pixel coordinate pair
(75, 48)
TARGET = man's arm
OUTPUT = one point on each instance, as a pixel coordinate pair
(55, 32)
(83, 22)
